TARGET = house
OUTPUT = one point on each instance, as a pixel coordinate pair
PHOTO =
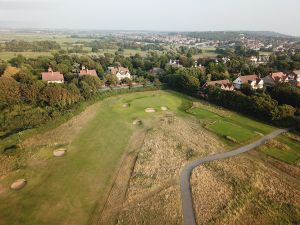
(275, 78)
(295, 78)
(174, 63)
(156, 71)
(223, 84)
(86, 71)
(253, 59)
(53, 77)
(253, 80)
(120, 72)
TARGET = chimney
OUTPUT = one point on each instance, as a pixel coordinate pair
(83, 67)
(50, 70)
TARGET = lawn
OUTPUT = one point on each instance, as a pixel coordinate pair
(225, 123)
(65, 190)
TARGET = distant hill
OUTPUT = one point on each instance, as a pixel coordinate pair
(230, 35)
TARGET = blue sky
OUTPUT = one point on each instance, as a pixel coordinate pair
(178, 15)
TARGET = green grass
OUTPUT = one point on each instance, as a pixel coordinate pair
(235, 131)
(290, 156)
(65, 190)
(226, 123)
(283, 155)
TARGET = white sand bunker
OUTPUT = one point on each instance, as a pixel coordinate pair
(164, 108)
(18, 184)
(59, 152)
(137, 122)
(126, 105)
(150, 110)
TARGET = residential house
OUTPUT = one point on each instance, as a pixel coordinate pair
(295, 78)
(275, 78)
(53, 77)
(120, 72)
(174, 63)
(86, 71)
(253, 80)
(253, 59)
(223, 84)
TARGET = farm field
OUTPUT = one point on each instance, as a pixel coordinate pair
(137, 166)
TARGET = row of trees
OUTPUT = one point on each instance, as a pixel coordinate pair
(35, 46)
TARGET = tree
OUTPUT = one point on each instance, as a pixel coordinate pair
(126, 80)
(3, 66)
(17, 61)
(247, 89)
(9, 91)
(30, 91)
(111, 80)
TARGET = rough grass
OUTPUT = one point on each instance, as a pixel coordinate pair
(65, 190)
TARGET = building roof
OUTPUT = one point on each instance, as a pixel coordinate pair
(88, 72)
(247, 78)
(297, 72)
(121, 70)
(52, 76)
(277, 76)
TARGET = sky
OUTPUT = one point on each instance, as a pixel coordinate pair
(157, 15)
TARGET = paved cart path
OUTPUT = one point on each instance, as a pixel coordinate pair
(186, 193)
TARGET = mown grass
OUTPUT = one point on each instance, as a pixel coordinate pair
(230, 125)
(66, 190)
(290, 155)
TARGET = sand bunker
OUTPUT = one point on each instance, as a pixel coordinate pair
(126, 105)
(150, 110)
(164, 108)
(59, 152)
(137, 122)
(18, 184)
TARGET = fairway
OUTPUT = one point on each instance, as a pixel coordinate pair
(289, 155)
(65, 190)
(229, 124)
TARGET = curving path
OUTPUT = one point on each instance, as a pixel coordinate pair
(186, 194)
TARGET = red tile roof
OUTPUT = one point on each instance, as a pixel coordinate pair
(279, 75)
(88, 72)
(245, 79)
(52, 76)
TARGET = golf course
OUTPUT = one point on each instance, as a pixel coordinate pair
(72, 185)
(68, 189)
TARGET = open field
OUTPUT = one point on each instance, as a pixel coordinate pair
(115, 172)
